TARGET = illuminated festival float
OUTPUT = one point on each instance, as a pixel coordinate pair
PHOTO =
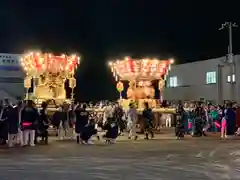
(140, 73)
(47, 74)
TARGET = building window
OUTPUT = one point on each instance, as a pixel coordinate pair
(211, 77)
(173, 81)
(228, 79)
(231, 79)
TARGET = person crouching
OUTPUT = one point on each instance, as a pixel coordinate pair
(88, 132)
(111, 128)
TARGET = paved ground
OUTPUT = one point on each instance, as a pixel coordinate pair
(161, 159)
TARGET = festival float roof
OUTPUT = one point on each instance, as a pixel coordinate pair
(140, 69)
(37, 63)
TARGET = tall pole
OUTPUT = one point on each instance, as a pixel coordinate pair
(230, 60)
(72, 94)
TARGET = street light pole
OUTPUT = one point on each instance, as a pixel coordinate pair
(230, 60)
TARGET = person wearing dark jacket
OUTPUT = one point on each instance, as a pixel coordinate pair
(198, 122)
(111, 127)
(87, 132)
(82, 117)
(71, 120)
(57, 118)
(180, 118)
(14, 118)
(231, 120)
(29, 122)
(148, 121)
(44, 123)
(64, 123)
(4, 113)
(117, 115)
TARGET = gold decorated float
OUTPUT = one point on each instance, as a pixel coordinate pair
(47, 74)
(140, 73)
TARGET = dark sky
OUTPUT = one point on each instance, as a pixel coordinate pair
(100, 30)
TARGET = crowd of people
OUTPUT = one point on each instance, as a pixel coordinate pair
(203, 118)
(24, 123)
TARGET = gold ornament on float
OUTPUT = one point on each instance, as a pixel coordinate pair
(161, 84)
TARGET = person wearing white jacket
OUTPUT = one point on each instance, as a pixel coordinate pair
(108, 113)
(131, 121)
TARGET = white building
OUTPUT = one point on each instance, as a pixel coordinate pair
(11, 77)
(210, 80)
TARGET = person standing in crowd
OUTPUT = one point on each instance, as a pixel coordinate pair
(131, 121)
(198, 121)
(14, 119)
(206, 124)
(215, 119)
(82, 116)
(148, 121)
(29, 122)
(72, 120)
(231, 120)
(57, 118)
(64, 124)
(44, 123)
(4, 113)
(108, 113)
(118, 114)
(179, 128)
(224, 126)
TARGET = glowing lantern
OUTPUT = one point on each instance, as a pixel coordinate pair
(120, 86)
(161, 84)
(27, 82)
(72, 82)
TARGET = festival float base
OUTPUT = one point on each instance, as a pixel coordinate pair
(152, 103)
(52, 103)
(55, 97)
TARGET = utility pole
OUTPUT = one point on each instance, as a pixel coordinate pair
(230, 60)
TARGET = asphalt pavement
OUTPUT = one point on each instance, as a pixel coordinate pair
(159, 159)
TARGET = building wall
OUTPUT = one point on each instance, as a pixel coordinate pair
(192, 84)
(11, 75)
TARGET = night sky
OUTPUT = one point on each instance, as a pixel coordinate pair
(102, 30)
